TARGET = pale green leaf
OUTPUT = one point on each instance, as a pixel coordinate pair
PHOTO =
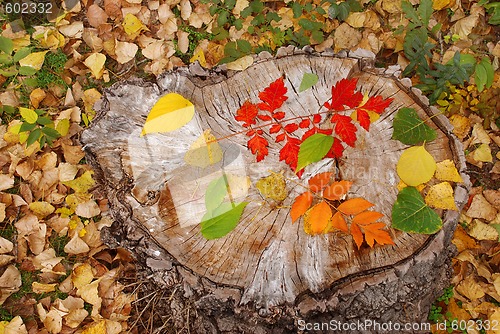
(224, 219)
(411, 214)
(480, 76)
(313, 149)
(308, 80)
(29, 115)
(6, 45)
(215, 193)
(410, 129)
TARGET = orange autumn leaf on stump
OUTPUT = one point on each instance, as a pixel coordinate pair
(319, 181)
(354, 206)
(374, 233)
(339, 222)
(337, 190)
(317, 218)
(300, 205)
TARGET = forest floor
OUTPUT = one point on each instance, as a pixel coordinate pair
(56, 276)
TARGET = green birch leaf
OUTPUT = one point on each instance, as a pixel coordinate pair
(313, 149)
(215, 193)
(308, 80)
(22, 53)
(33, 137)
(28, 115)
(490, 72)
(411, 129)
(480, 77)
(6, 45)
(224, 220)
(411, 214)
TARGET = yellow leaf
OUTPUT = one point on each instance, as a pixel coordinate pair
(63, 126)
(132, 25)
(199, 56)
(28, 115)
(482, 231)
(170, 112)
(441, 4)
(82, 275)
(95, 62)
(41, 209)
(37, 96)
(441, 196)
(204, 151)
(34, 60)
(96, 328)
(43, 288)
(446, 171)
(482, 153)
(81, 184)
(240, 64)
(416, 166)
(273, 186)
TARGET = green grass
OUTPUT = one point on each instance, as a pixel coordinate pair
(52, 68)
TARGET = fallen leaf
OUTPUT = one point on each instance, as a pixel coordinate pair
(463, 27)
(470, 289)
(493, 196)
(319, 181)
(76, 246)
(481, 208)
(10, 282)
(479, 135)
(354, 206)
(442, 4)
(43, 288)
(482, 153)
(81, 184)
(169, 113)
(41, 209)
(204, 151)
(273, 186)
(72, 30)
(15, 326)
(34, 60)
(240, 64)
(199, 56)
(186, 10)
(82, 275)
(53, 321)
(95, 62)
(6, 182)
(481, 231)
(125, 51)
(300, 205)
(132, 26)
(346, 37)
(446, 171)
(337, 190)
(317, 218)
(6, 246)
(462, 240)
(416, 166)
(37, 96)
(461, 125)
(96, 15)
(441, 196)
(88, 209)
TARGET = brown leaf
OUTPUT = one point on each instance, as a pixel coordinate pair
(481, 208)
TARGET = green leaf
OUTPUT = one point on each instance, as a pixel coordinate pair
(425, 11)
(313, 149)
(244, 46)
(297, 9)
(6, 45)
(411, 129)
(26, 70)
(9, 72)
(411, 214)
(51, 133)
(5, 59)
(27, 126)
(490, 73)
(480, 77)
(215, 193)
(354, 6)
(497, 227)
(308, 80)
(21, 53)
(43, 120)
(225, 219)
(28, 115)
(222, 18)
(33, 137)
(230, 4)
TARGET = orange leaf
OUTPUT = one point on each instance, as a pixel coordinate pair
(354, 206)
(316, 220)
(300, 205)
(374, 232)
(336, 190)
(357, 235)
(366, 217)
(319, 181)
(338, 221)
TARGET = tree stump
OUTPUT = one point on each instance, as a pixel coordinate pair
(267, 275)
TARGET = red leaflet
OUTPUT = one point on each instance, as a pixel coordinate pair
(363, 119)
(247, 113)
(279, 115)
(376, 104)
(273, 96)
(275, 128)
(345, 129)
(264, 117)
(337, 149)
(291, 127)
(317, 118)
(280, 137)
(258, 145)
(304, 123)
(290, 152)
(343, 95)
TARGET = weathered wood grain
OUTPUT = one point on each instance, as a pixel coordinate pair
(266, 258)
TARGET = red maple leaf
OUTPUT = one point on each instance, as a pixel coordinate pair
(247, 114)
(258, 145)
(343, 95)
(376, 104)
(290, 152)
(345, 129)
(363, 119)
(273, 96)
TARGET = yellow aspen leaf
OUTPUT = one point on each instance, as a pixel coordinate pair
(339, 222)
(95, 62)
(337, 190)
(81, 184)
(240, 64)
(34, 60)
(354, 206)
(132, 25)
(170, 112)
(199, 56)
(28, 115)
(300, 205)
(440, 196)
(63, 127)
(319, 181)
(41, 209)
(366, 217)
(482, 153)
(317, 218)
(446, 171)
(204, 151)
(416, 166)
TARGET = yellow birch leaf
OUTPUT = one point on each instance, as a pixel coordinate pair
(441, 196)
(28, 115)
(34, 60)
(204, 151)
(416, 166)
(81, 184)
(170, 112)
(199, 56)
(132, 25)
(95, 62)
(41, 209)
(446, 171)
(482, 153)
(63, 127)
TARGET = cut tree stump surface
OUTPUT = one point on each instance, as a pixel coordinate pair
(266, 260)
